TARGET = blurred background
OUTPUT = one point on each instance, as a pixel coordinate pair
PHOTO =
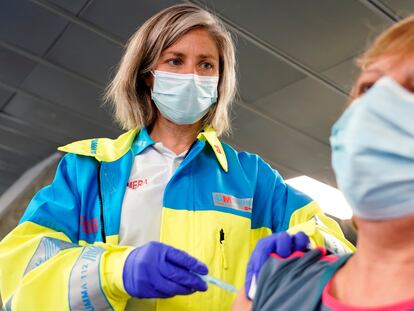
(296, 67)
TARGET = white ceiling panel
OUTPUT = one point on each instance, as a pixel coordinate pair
(305, 105)
(38, 130)
(343, 74)
(14, 67)
(260, 73)
(27, 25)
(318, 33)
(23, 143)
(67, 91)
(16, 159)
(66, 123)
(93, 56)
(122, 20)
(279, 143)
(11, 167)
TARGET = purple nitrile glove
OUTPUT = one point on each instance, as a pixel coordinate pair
(156, 270)
(280, 243)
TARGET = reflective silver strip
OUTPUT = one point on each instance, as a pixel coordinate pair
(85, 291)
(47, 248)
(229, 201)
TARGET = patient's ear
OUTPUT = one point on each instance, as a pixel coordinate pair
(242, 303)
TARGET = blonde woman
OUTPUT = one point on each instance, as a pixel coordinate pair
(146, 214)
(372, 155)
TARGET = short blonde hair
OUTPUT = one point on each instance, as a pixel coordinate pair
(398, 40)
(129, 95)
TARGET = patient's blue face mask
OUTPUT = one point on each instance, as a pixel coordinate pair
(373, 152)
(184, 98)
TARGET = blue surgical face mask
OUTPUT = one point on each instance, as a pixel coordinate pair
(373, 152)
(184, 98)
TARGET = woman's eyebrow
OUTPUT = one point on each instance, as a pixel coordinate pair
(174, 53)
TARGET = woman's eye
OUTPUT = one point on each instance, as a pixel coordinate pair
(206, 66)
(174, 62)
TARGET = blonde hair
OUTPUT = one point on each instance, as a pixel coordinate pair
(398, 40)
(130, 96)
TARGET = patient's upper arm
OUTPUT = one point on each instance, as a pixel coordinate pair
(242, 303)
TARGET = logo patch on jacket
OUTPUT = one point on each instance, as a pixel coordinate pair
(229, 201)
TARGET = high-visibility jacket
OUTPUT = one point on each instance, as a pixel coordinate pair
(64, 254)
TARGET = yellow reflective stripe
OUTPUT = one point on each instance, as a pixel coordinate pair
(311, 220)
(103, 149)
(210, 135)
(85, 291)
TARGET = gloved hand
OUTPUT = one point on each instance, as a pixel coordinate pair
(280, 243)
(156, 270)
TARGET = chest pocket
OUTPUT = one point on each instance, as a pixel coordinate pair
(226, 246)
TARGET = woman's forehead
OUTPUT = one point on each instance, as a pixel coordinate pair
(198, 41)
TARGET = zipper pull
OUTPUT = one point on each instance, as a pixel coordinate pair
(221, 236)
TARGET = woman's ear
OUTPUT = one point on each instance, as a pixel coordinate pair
(149, 79)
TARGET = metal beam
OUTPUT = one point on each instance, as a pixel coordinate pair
(382, 10)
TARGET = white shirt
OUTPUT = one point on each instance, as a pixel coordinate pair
(142, 204)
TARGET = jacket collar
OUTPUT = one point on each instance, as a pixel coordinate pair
(102, 149)
(109, 150)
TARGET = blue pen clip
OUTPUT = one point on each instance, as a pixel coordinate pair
(212, 280)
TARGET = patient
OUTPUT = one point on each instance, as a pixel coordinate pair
(373, 159)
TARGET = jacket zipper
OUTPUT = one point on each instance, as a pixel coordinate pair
(101, 204)
(223, 250)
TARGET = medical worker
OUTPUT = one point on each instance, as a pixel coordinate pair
(373, 159)
(143, 215)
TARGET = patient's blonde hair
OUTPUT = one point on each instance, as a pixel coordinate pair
(398, 40)
(128, 93)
